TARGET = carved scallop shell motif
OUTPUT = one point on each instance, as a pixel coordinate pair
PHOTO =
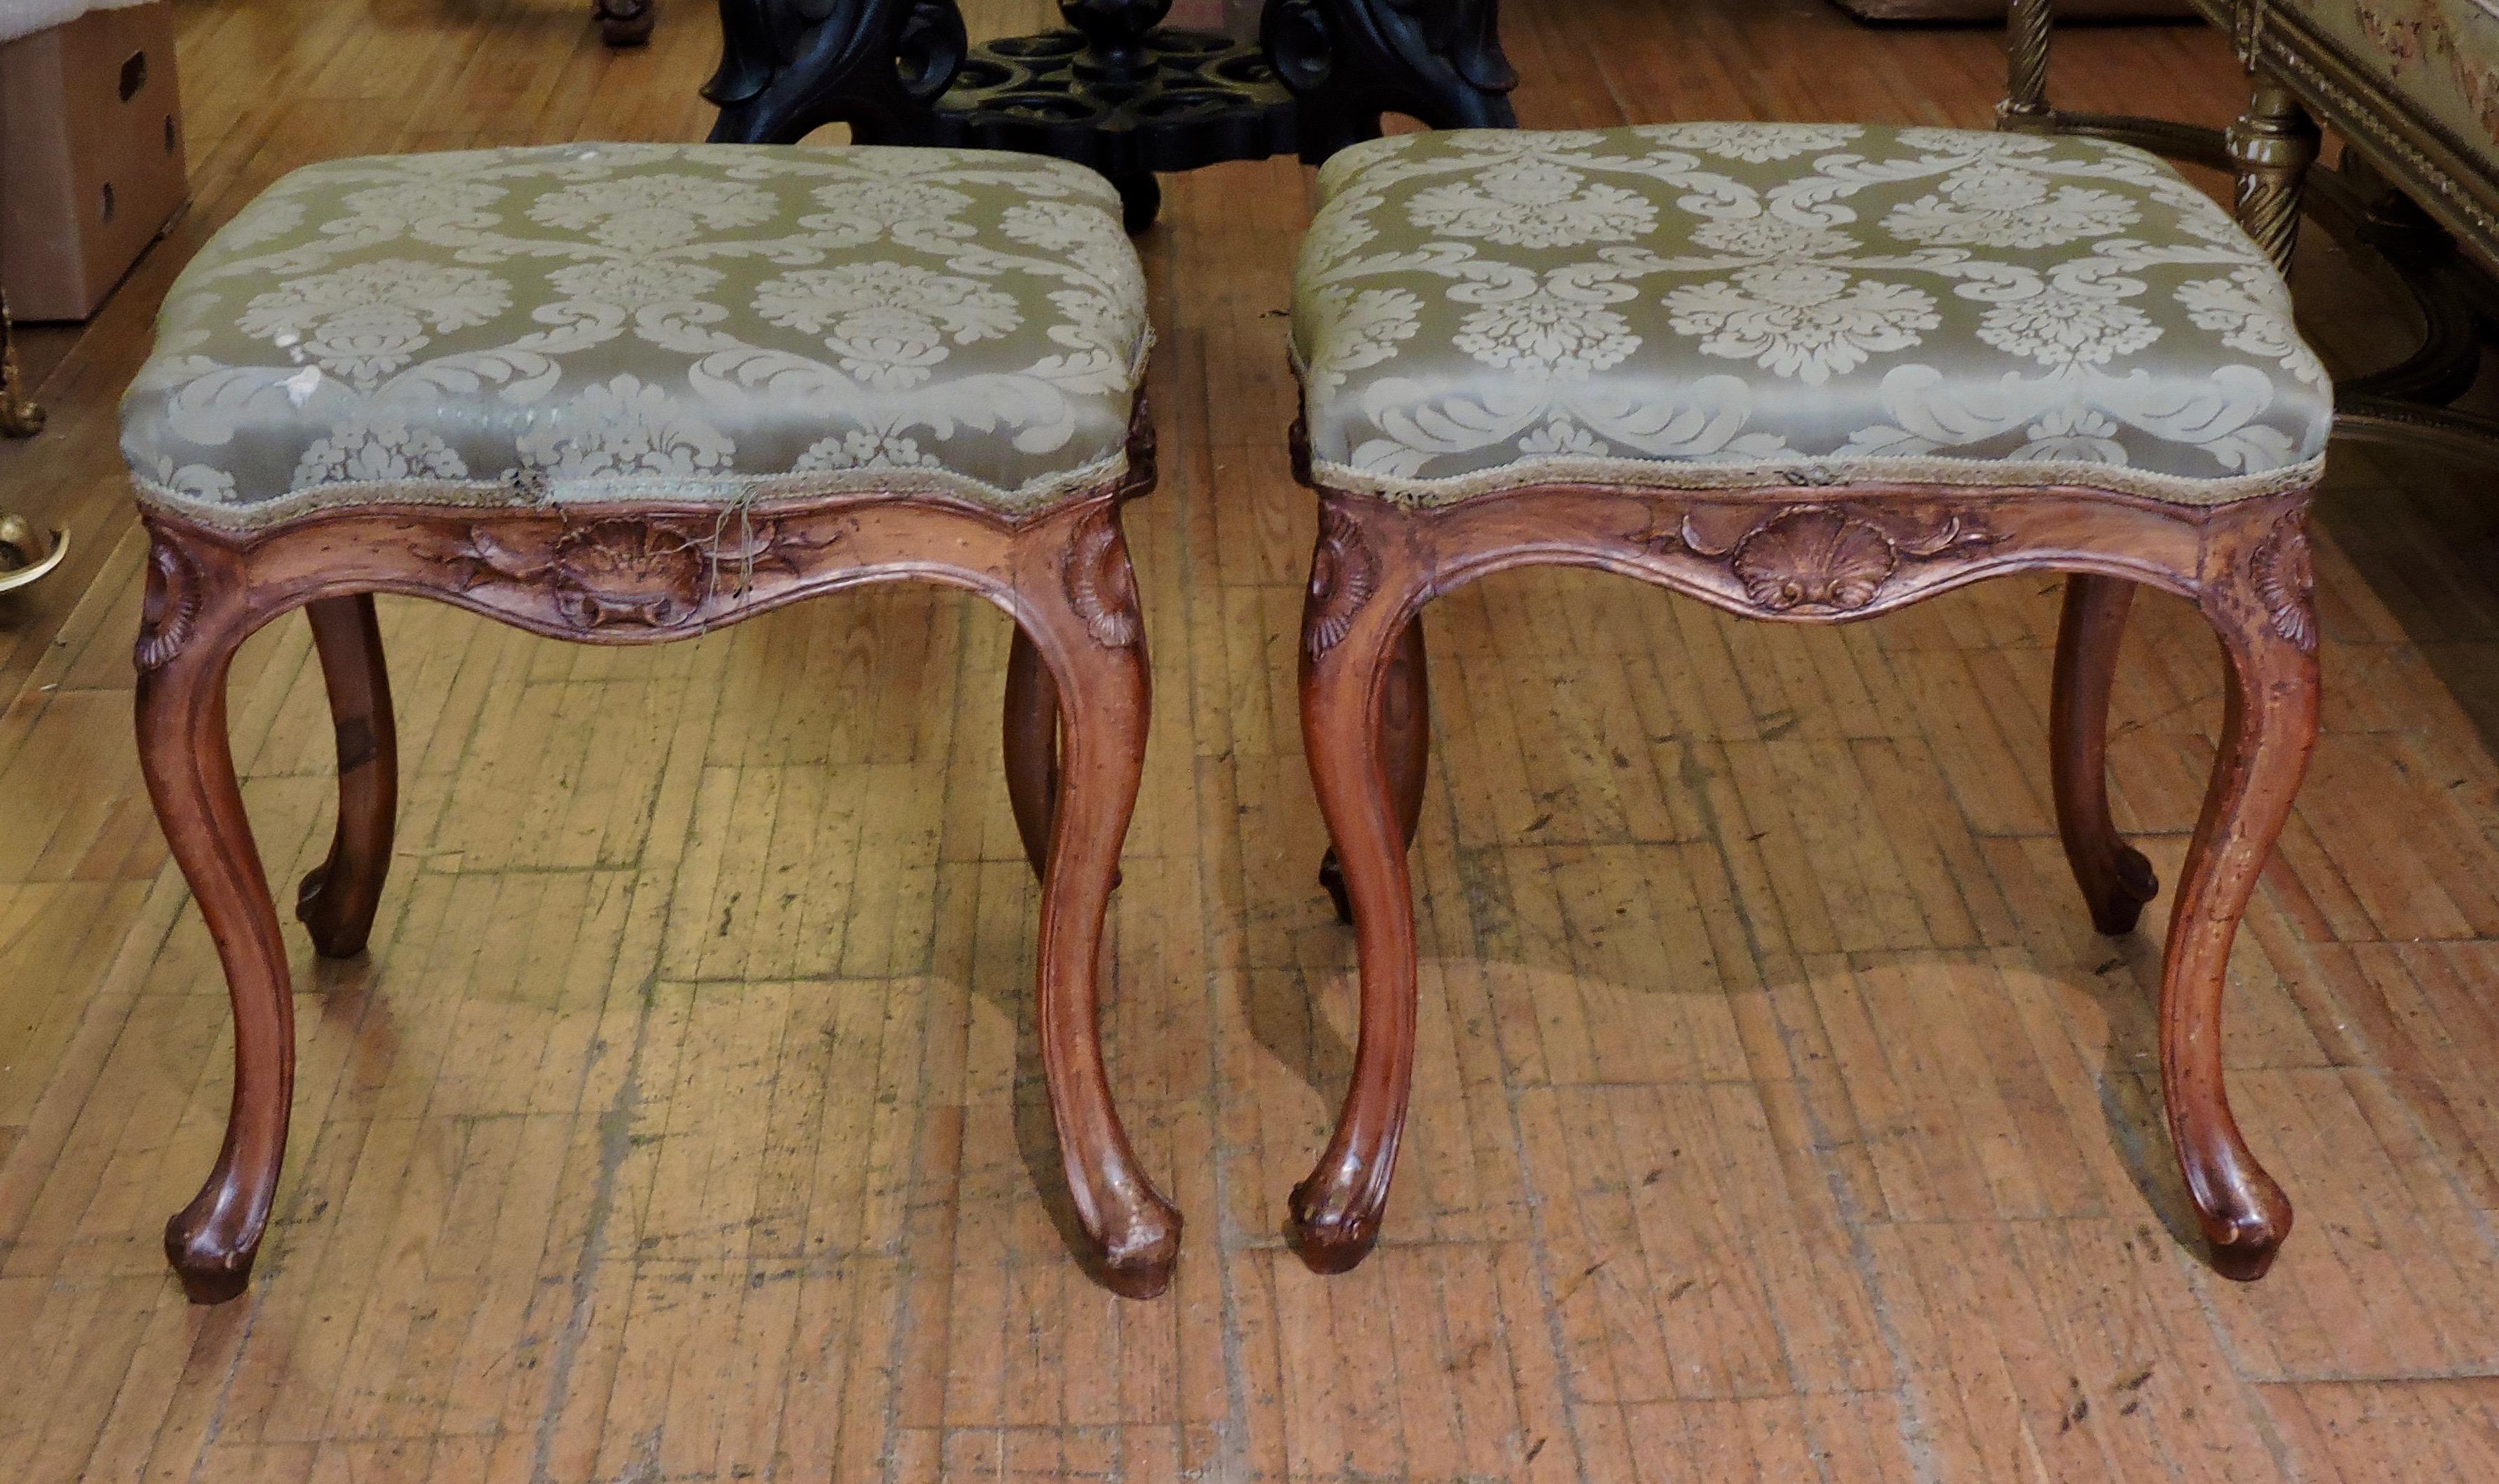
(1344, 574)
(2285, 578)
(1815, 558)
(170, 609)
(1101, 586)
(629, 571)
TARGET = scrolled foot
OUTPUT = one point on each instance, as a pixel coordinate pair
(1140, 1250)
(2244, 1241)
(1332, 1229)
(2132, 882)
(214, 1267)
(1332, 881)
(332, 937)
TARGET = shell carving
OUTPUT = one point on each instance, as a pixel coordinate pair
(170, 610)
(1101, 586)
(1344, 574)
(608, 573)
(2286, 579)
(1815, 558)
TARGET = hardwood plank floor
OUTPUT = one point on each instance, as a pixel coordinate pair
(1778, 1115)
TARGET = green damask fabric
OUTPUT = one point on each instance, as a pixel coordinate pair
(609, 322)
(1722, 305)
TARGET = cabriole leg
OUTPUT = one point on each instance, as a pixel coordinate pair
(1351, 629)
(338, 897)
(1406, 743)
(2115, 876)
(186, 646)
(1031, 748)
(2262, 607)
(1080, 610)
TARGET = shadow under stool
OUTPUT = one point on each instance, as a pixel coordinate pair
(1805, 372)
(625, 393)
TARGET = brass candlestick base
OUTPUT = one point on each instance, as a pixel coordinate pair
(27, 554)
(18, 417)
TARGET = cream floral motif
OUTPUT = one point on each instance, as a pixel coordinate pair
(1968, 142)
(890, 322)
(864, 210)
(1911, 304)
(428, 202)
(653, 212)
(605, 321)
(1752, 142)
(634, 282)
(1767, 236)
(2252, 318)
(1998, 206)
(2057, 327)
(1369, 324)
(1801, 319)
(367, 320)
(377, 448)
(624, 427)
(1547, 335)
(1532, 204)
(860, 449)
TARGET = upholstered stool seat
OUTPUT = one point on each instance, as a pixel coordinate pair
(1809, 374)
(604, 322)
(1730, 305)
(628, 392)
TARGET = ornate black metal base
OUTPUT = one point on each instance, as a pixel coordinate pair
(1119, 91)
(1189, 98)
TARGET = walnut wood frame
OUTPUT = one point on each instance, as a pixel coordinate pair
(633, 574)
(1825, 555)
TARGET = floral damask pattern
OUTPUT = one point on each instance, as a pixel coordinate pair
(639, 321)
(1726, 303)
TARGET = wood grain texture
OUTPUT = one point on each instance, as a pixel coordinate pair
(1778, 1113)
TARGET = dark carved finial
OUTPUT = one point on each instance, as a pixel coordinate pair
(787, 69)
(1351, 61)
(2286, 579)
(170, 610)
(1101, 587)
(1344, 572)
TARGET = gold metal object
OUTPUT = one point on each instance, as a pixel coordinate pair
(2406, 188)
(18, 417)
(27, 554)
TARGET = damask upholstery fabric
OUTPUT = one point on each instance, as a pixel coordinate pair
(615, 322)
(1723, 305)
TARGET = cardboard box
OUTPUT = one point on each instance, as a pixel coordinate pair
(91, 157)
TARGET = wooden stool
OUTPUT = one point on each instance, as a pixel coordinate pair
(626, 394)
(1811, 374)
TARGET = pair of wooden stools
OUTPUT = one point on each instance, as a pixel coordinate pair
(622, 394)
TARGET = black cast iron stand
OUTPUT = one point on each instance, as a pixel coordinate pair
(1119, 91)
